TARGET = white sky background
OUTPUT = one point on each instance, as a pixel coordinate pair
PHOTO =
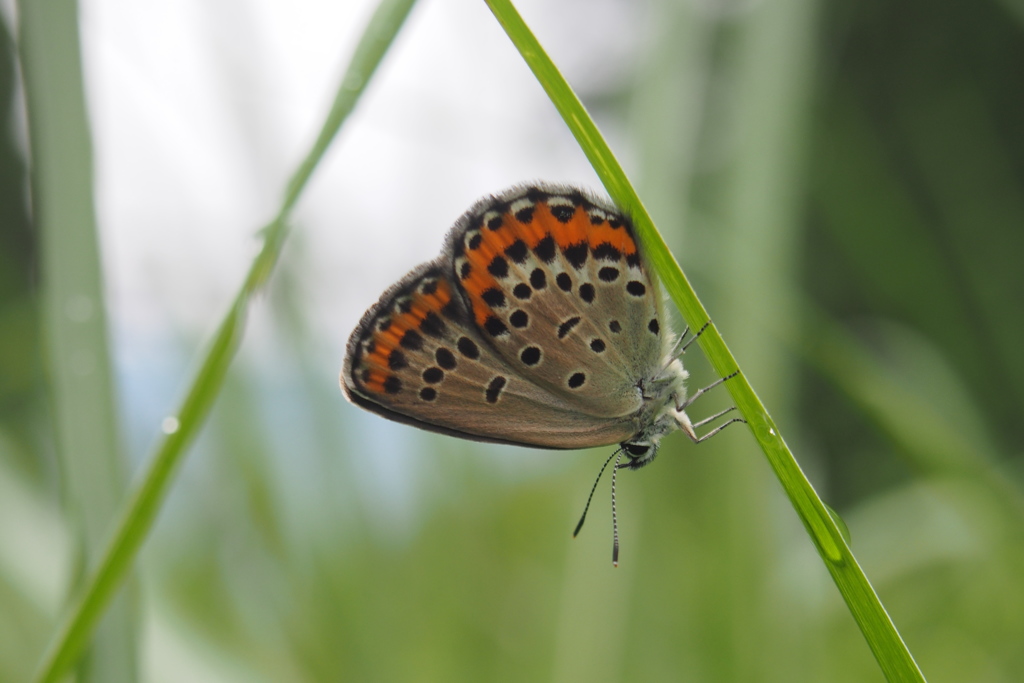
(202, 109)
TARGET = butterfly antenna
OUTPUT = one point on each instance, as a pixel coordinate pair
(592, 489)
(615, 518)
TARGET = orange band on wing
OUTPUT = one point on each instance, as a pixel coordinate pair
(387, 340)
(565, 234)
(617, 237)
(490, 247)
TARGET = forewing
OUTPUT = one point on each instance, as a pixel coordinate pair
(555, 282)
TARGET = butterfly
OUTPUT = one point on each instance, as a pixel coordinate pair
(540, 324)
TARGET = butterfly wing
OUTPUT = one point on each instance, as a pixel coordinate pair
(555, 281)
(417, 358)
(534, 327)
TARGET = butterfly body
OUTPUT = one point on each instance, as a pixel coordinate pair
(540, 324)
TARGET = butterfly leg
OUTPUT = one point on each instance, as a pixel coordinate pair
(690, 430)
(683, 343)
(700, 392)
(717, 429)
(692, 339)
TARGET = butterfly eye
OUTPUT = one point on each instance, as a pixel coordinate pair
(637, 449)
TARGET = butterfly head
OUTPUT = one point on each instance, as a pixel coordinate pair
(642, 447)
(660, 416)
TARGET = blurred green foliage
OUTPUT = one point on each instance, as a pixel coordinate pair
(845, 186)
(21, 382)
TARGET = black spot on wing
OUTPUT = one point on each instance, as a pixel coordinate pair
(562, 213)
(433, 325)
(397, 360)
(445, 358)
(452, 311)
(606, 252)
(530, 355)
(525, 215)
(493, 297)
(566, 327)
(498, 267)
(576, 254)
(537, 279)
(494, 326)
(522, 291)
(517, 251)
(468, 348)
(494, 389)
(412, 340)
(545, 249)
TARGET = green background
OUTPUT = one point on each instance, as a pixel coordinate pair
(843, 184)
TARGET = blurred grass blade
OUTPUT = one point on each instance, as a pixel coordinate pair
(135, 520)
(912, 409)
(93, 470)
(884, 640)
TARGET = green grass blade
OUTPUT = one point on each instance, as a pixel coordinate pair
(92, 465)
(136, 518)
(884, 640)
